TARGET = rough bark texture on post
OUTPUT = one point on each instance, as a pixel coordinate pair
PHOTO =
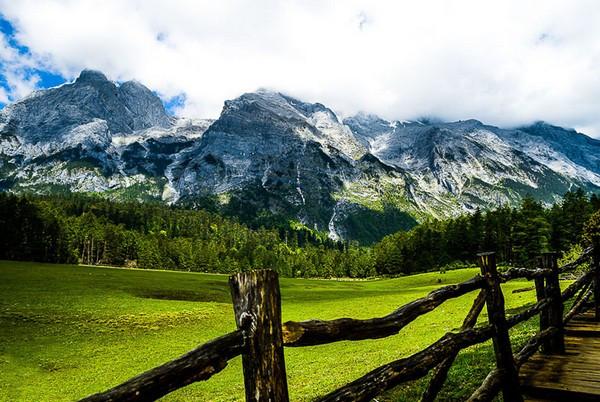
(441, 371)
(596, 270)
(496, 315)
(257, 307)
(556, 342)
(540, 292)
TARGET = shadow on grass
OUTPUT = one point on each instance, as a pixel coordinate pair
(216, 295)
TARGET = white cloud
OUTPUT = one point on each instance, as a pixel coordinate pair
(4, 96)
(505, 63)
(15, 69)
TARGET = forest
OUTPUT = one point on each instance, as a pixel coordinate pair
(517, 235)
(90, 230)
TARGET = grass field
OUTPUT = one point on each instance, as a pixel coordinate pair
(68, 331)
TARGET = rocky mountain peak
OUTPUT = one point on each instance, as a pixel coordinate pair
(269, 151)
(146, 108)
(52, 114)
(91, 76)
(260, 104)
(368, 126)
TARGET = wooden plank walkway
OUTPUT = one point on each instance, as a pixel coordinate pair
(573, 376)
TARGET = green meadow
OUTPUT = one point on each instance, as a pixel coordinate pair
(67, 331)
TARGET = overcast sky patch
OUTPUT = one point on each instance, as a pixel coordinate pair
(506, 63)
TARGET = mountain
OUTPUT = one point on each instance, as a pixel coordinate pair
(464, 165)
(273, 153)
(271, 157)
(91, 135)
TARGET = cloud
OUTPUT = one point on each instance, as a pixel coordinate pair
(505, 63)
(4, 98)
(15, 69)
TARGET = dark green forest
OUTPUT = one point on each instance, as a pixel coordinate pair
(87, 230)
(90, 230)
(517, 235)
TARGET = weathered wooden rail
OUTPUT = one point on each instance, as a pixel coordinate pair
(261, 337)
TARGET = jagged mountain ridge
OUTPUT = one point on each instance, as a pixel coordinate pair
(357, 178)
(91, 135)
(478, 165)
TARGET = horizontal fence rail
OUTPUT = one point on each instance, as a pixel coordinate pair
(261, 337)
(410, 368)
(198, 365)
(317, 332)
(441, 371)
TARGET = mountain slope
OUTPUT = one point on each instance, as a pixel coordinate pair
(91, 135)
(264, 141)
(270, 157)
(465, 165)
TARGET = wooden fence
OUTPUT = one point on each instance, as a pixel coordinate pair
(261, 337)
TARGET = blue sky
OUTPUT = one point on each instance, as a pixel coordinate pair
(505, 63)
(44, 78)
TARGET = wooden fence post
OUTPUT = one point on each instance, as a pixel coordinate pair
(540, 292)
(556, 342)
(497, 317)
(441, 371)
(257, 306)
(596, 268)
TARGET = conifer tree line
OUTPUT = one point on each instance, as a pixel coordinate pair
(81, 229)
(90, 230)
(517, 235)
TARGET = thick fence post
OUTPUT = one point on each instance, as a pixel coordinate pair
(497, 317)
(540, 292)
(257, 306)
(596, 269)
(556, 342)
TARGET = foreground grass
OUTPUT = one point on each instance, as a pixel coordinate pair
(68, 331)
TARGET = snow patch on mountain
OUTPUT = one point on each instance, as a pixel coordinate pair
(281, 154)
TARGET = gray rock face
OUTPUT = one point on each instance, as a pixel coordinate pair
(91, 134)
(367, 127)
(564, 151)
(465, 165)
(51, 114)
(270, 152)
(271, 142)
(145, 108)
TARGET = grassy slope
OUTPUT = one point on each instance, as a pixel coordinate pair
(67, 331)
